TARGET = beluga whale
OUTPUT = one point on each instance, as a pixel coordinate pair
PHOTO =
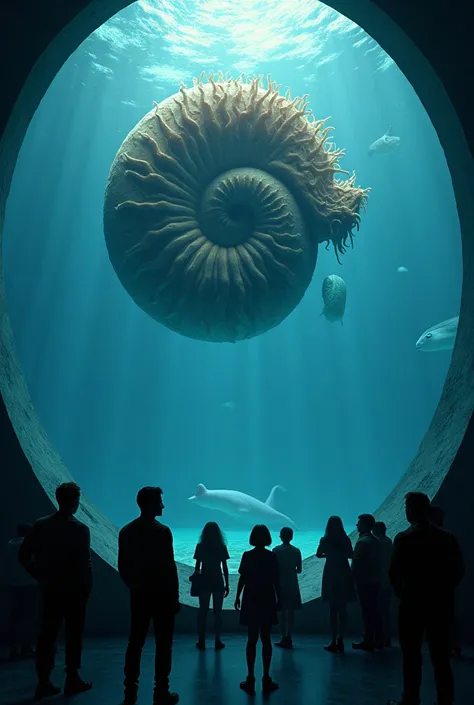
(243, 507)
(384, 144)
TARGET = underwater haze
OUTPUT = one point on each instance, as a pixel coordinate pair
(332, 412)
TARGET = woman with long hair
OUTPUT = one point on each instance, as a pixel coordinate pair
(211, 558)
(259, 581)
(338, 583)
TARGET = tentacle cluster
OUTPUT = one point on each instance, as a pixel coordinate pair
(231, 186)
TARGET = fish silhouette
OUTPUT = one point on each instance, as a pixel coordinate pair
(386, 143)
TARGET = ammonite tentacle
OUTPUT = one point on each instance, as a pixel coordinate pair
(216, 203)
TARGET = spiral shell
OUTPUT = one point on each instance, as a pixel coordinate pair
(215, 205)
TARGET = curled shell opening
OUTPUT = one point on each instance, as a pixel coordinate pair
(216, 203)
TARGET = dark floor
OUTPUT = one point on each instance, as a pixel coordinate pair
(307, 675)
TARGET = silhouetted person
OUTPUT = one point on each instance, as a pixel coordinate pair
(259, 581)
(290, 566)
(147, 567)
(386, 547)
(338, 583)
(366, 572)
(57, 553)
(437, 517)
(211, 557)
(22, 599)
(426, 567)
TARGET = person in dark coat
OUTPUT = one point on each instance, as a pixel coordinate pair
(146, 565)
(259, 581)
(386, 547)
(427, 565)
(290, 565)
(366, 571)
(22, 599)
(211, 556)
(437, 517)
(338, 583)
(57, 553)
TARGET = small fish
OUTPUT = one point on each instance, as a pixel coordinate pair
(229, 405)
(402, 270)
(384, 144)
(439, 337)
(334, 298)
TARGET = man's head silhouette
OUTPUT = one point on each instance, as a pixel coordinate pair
(417, 507)
(68, 497)
(150, 501)
(365, 524)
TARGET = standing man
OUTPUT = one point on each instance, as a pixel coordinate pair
(427, 566)
(366, 572)
(147, 567)
(22, 596)
(385, 548)
(437, 517)
(57, 553)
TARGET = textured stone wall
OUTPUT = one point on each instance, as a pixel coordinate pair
(438, 464)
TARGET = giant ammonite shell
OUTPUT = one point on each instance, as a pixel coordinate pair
(215, 205)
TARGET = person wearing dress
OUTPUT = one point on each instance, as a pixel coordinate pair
(338, 583)
(289, 567)
(211, 558)
(259, 581)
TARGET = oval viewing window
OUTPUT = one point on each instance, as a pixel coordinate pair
(134, 387)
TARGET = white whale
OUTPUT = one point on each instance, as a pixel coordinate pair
(242, 506)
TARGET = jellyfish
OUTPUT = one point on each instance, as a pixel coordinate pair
(334, 298)
(216, 203)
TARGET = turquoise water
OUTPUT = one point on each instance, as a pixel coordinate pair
(334, 413)
(237, 542)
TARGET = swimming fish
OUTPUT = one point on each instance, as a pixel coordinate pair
(384, 144)
(334, 298)
(439, 337)
(230, 405)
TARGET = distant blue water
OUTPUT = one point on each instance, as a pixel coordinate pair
(334, 413)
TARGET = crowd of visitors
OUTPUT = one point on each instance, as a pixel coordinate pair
(54, 555)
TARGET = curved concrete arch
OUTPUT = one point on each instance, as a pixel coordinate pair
(438, 449)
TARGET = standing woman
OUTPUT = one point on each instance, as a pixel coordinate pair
(211, 557)
(289, 566)
(338, 583)
(259, 581)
